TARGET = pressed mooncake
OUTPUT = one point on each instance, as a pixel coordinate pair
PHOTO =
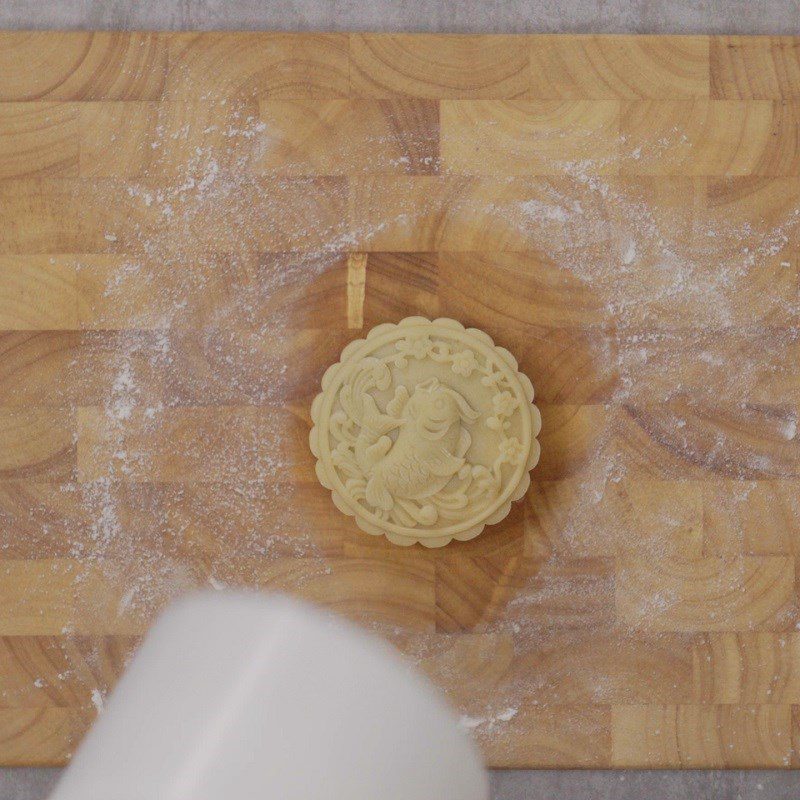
(425, 431)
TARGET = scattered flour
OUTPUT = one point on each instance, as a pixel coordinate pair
(538, 211)
(98, 701)
(672, 337)
(488, 722)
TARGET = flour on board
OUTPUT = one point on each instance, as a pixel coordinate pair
(671, 332)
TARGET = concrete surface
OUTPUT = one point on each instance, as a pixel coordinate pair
(34, 784)
(478, 16)
(643, 785)
(513, 16)
(27, 784)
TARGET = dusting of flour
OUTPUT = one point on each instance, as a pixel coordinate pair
(190, 316)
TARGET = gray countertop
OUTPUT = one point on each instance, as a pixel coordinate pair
(476, 16)
(473, 16)
(34, 784)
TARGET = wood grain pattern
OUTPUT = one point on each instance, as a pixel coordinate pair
(754, 68)
(37, 293)
(716, 137)
(39, 139)
(703, 595)
(604, 67)
(35, 736)
(115, 138)
(336, 137)
(90, 65)
(436, 67)
(722, 736)
(517, 137)
(194, 225)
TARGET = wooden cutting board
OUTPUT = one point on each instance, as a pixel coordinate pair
(193, 226)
